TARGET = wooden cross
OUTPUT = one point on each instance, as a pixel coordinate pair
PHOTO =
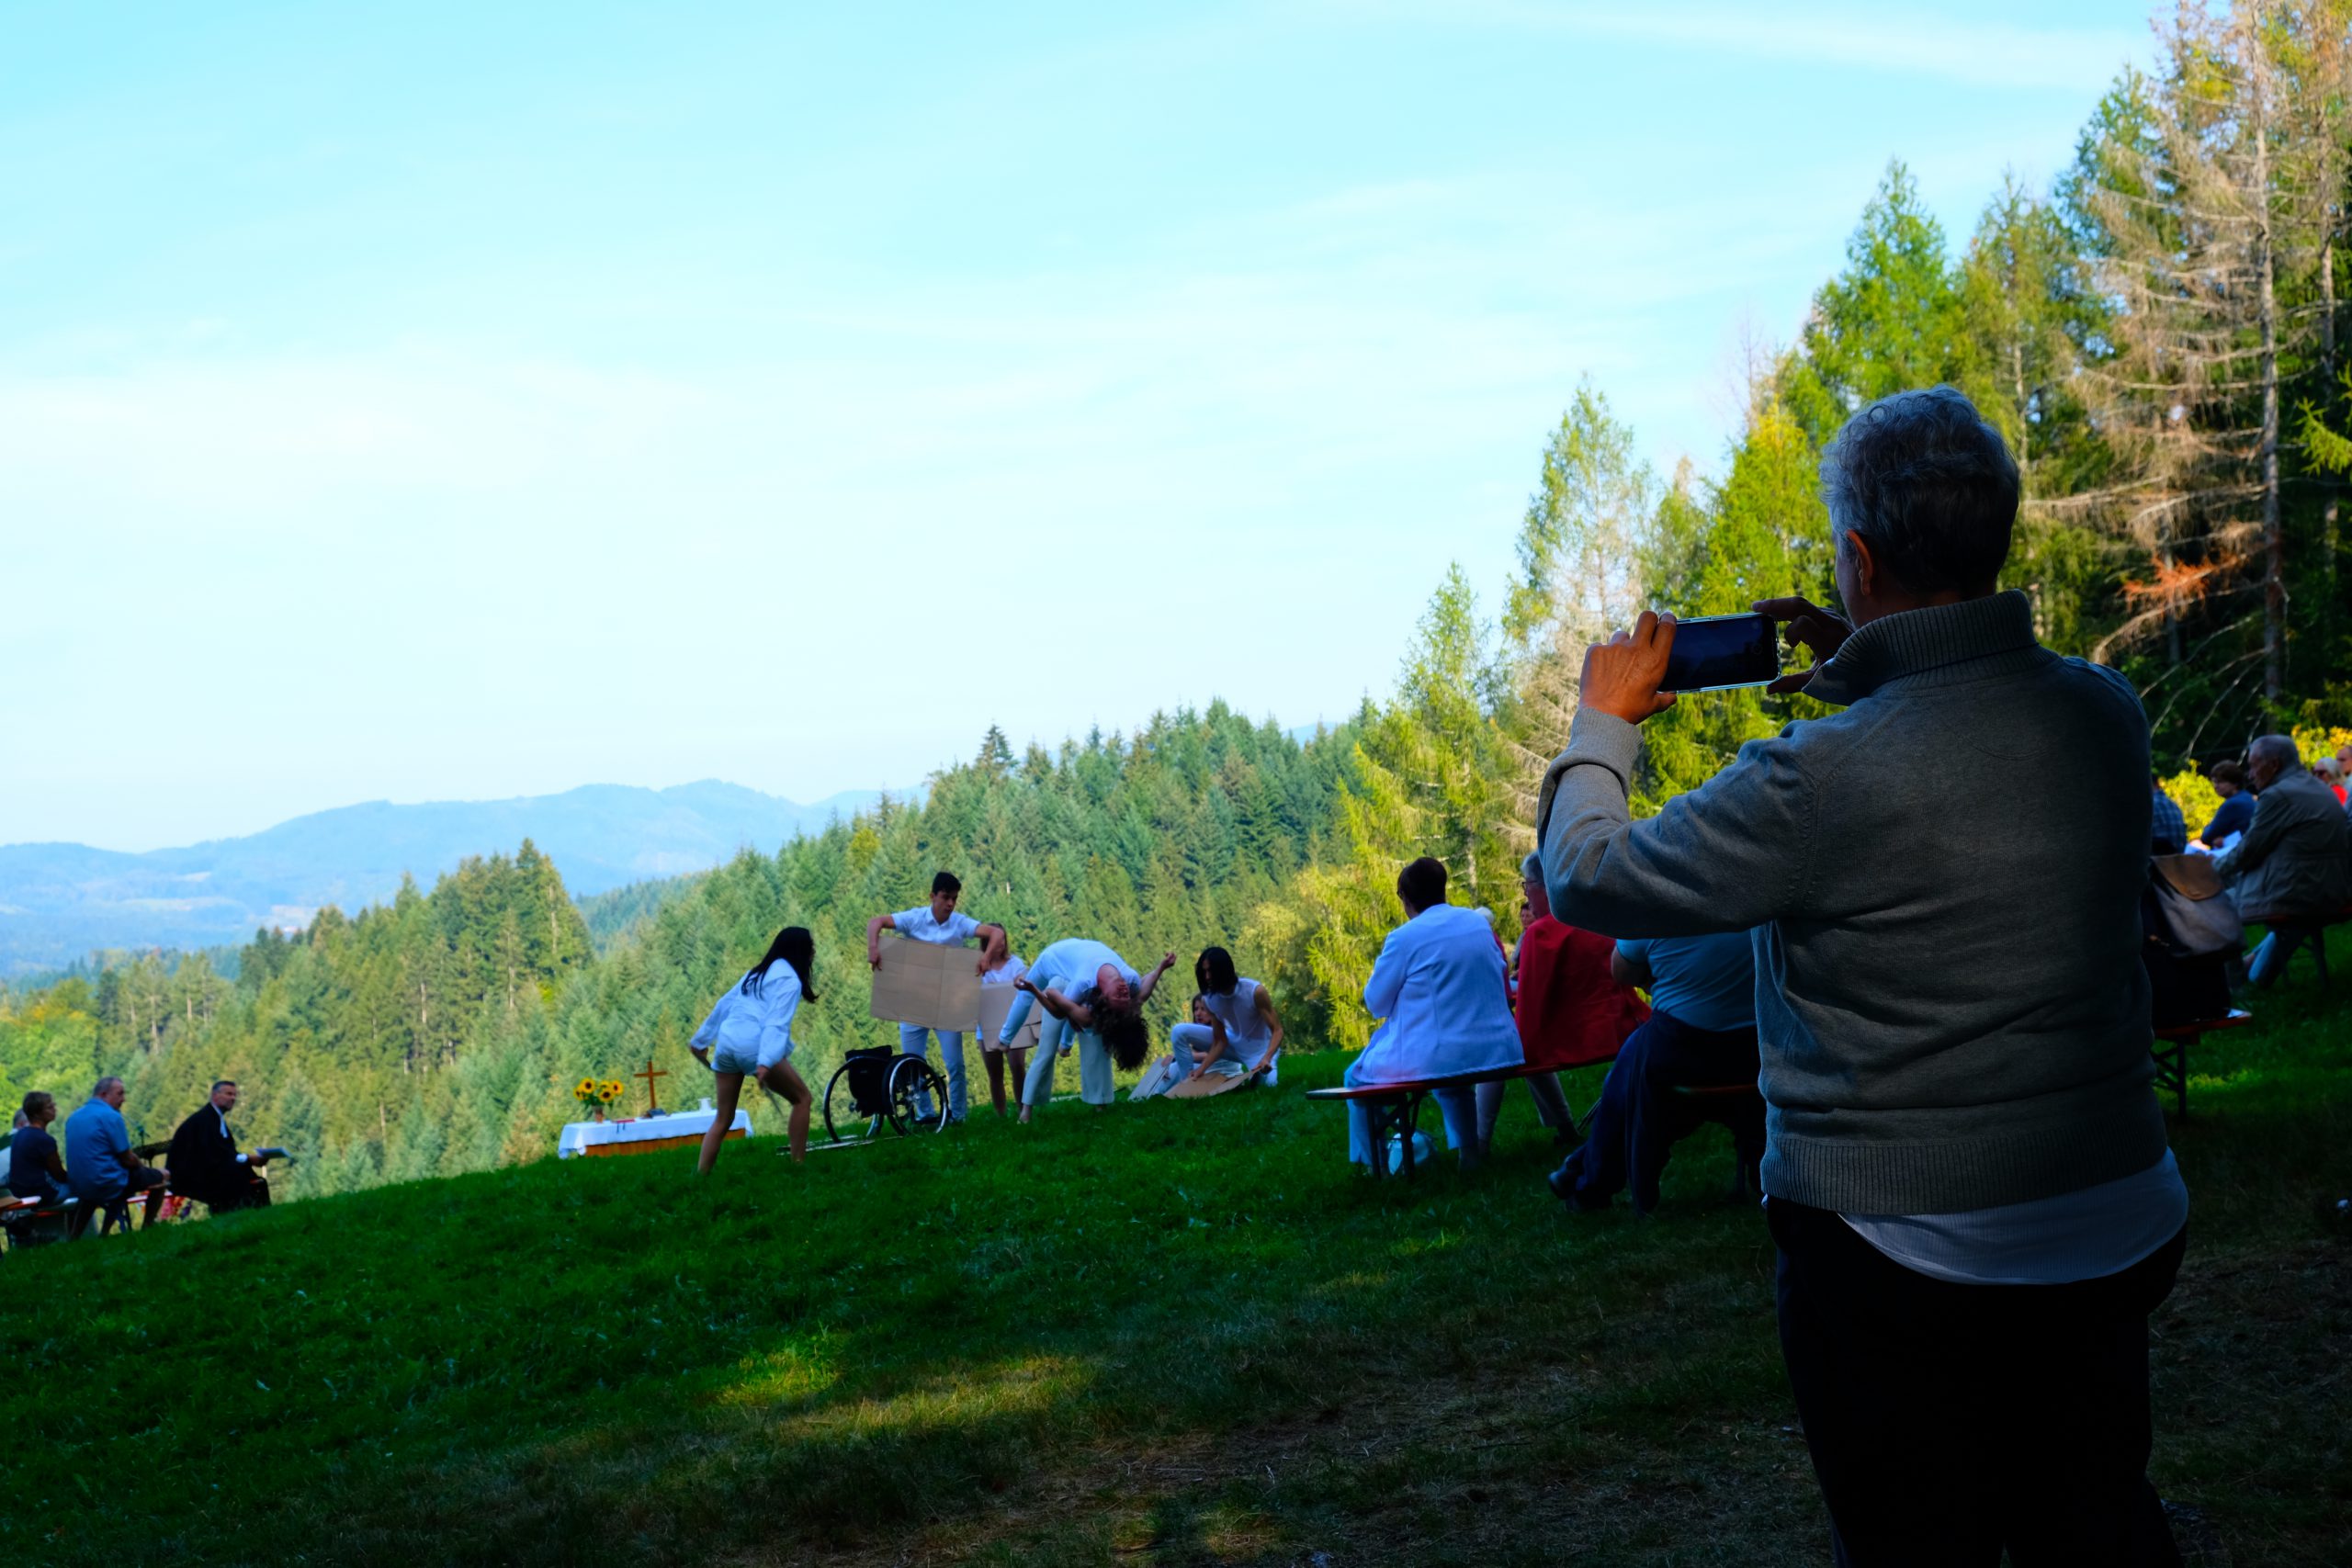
(649, 1074)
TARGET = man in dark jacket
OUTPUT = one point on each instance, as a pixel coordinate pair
(204, 1160)
(2294, 864)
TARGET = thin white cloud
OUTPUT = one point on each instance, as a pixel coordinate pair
(1964, 49)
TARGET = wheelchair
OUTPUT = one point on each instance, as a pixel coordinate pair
(875, 1087)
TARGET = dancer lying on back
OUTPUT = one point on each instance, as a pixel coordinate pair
(1089, 991)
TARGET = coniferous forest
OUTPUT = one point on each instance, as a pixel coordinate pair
(2158, 334)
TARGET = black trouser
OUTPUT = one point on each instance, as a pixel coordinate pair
(1949, 1421)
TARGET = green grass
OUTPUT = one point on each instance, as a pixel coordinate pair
(1170, 1334)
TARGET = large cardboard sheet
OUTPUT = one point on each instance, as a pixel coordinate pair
(996, 1002)
(928, 984)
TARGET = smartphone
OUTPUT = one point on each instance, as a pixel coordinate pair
(1713, 652)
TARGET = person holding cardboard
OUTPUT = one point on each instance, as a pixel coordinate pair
(995, 1052)
(1234, 1032)
(939, 922)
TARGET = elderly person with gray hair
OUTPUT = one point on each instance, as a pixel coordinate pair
(2294, 867)
(100, 1166)
(1966, 1168)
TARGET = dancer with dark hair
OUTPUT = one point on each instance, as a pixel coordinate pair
(752, 1029)
(1234, 1032)
(941, 924)
(1089, 991)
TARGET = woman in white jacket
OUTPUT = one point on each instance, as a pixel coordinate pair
(751, 1030)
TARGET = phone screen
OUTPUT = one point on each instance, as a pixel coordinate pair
(1714, 651)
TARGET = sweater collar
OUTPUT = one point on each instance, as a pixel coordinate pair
(1989, 637)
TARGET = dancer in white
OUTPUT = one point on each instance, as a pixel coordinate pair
(752, 1029)
(1234, 1031)
(995, 1052)
(1089, 991)
(941, 923)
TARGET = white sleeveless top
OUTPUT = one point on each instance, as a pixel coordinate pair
(1238, 1011)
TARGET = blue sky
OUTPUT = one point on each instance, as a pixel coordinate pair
(452, 401)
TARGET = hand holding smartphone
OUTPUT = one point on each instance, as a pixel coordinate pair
(1715, 653)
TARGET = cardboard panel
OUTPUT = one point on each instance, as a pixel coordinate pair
(927, 983)
(996, 1002)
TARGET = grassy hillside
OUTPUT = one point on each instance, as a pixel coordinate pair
(1166, 1334)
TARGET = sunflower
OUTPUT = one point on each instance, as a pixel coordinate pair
(584, 1089)
(614, 1089)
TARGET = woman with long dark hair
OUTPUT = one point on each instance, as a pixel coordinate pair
(751, 1030)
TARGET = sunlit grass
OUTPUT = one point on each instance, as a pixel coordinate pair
(1167, 1334)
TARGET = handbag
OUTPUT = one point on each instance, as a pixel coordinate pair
(2193, 915)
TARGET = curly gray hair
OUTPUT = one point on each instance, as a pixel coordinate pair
(1929, 485)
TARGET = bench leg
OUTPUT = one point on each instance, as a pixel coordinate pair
(2172, 1068)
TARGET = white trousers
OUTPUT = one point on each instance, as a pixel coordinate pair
(1055, 1036)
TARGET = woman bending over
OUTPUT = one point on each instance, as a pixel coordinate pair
(751, 1030)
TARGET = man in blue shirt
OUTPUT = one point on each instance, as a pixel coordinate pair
(100, 1166)
(1702, 1033)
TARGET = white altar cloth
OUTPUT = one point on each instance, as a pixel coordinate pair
(580, 1136)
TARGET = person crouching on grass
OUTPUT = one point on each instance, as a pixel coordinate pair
(751, 1030)
(1234, 1032)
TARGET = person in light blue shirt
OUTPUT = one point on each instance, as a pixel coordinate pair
(1700, 1034)
(1708, 982)
(1093, 998)
(100, 1166)
(749, 1034)
(941, 923)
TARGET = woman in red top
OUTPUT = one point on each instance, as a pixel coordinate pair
(1571, 1012)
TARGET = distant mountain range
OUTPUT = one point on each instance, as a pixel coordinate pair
(59, 902)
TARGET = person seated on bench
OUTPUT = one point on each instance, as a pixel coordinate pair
(204, 1161)
(1572, 1010)
(2235, 813)
(1440, 989)
(2294, 864)
(1700, 1034)
(35, 1170)
(100, 1166)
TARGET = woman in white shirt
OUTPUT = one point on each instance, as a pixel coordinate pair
(751, 1030)
(994, 1051)
(1234, 1032)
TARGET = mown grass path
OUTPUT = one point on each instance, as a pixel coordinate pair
(1170, 1334)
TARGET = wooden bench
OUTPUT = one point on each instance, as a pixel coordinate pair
(2308, 930)
(1394, 1108)
(2171, 1050)
(19, 1215)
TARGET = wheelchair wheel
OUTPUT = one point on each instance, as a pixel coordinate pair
(843, 1121)
(911, 1077)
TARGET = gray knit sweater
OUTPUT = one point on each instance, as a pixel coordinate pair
(1943, 880)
